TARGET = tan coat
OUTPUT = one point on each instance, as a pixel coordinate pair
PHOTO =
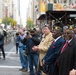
(44, 45)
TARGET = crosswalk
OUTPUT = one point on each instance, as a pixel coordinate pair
(13, 67)
(11, 61)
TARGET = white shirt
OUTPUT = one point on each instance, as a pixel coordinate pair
(57, 38)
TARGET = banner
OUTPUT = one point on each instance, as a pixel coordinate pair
(58, 6)
(42, 6)
(64, 7)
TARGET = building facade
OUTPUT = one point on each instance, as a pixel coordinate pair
(33, 10)
(49, 9)
(2, 10)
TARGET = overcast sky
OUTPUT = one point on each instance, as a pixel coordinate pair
(24, 10)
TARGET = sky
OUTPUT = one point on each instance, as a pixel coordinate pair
(23, 10)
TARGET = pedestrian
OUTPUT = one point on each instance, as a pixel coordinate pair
(45, 43)
(2, 45)
(53, 51)
(17, 42)
(67, 58)
(23, 59)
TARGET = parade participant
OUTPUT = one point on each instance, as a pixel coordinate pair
(2, 45)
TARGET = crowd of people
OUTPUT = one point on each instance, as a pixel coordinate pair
(48, 52)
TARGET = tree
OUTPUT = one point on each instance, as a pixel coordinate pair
(9, 21)
(29, 24)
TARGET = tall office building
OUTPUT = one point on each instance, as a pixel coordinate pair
(2, 10)
(33, 10)
(16, 10)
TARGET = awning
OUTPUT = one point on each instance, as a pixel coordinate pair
(60, 16)
(42, 17)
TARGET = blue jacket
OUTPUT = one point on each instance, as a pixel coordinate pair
(53, 53)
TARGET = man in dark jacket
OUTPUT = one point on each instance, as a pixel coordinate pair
(33, 56)
(67, 58)
(53, 51)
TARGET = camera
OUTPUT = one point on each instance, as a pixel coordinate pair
(17, 33)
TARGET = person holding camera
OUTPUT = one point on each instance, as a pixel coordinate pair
(31, 40)
(23, 59)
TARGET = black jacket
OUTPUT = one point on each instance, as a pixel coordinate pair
(30, 42)
(67, 60)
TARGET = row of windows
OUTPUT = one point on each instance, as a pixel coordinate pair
(62, 1)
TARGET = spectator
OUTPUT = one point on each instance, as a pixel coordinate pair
(33, 56)
(75, 32)
(53, 51)
(67, 58)
(23, 59)
(17, 42)
(45, 43)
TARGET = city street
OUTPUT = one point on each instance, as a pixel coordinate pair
(11, 65)
(44, 31)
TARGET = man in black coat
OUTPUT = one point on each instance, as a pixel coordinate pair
(67, 59)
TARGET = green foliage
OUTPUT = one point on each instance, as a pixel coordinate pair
(9, 21)
(29, 24)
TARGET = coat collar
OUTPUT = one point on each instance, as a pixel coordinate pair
(57, 38)
(71, 42)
